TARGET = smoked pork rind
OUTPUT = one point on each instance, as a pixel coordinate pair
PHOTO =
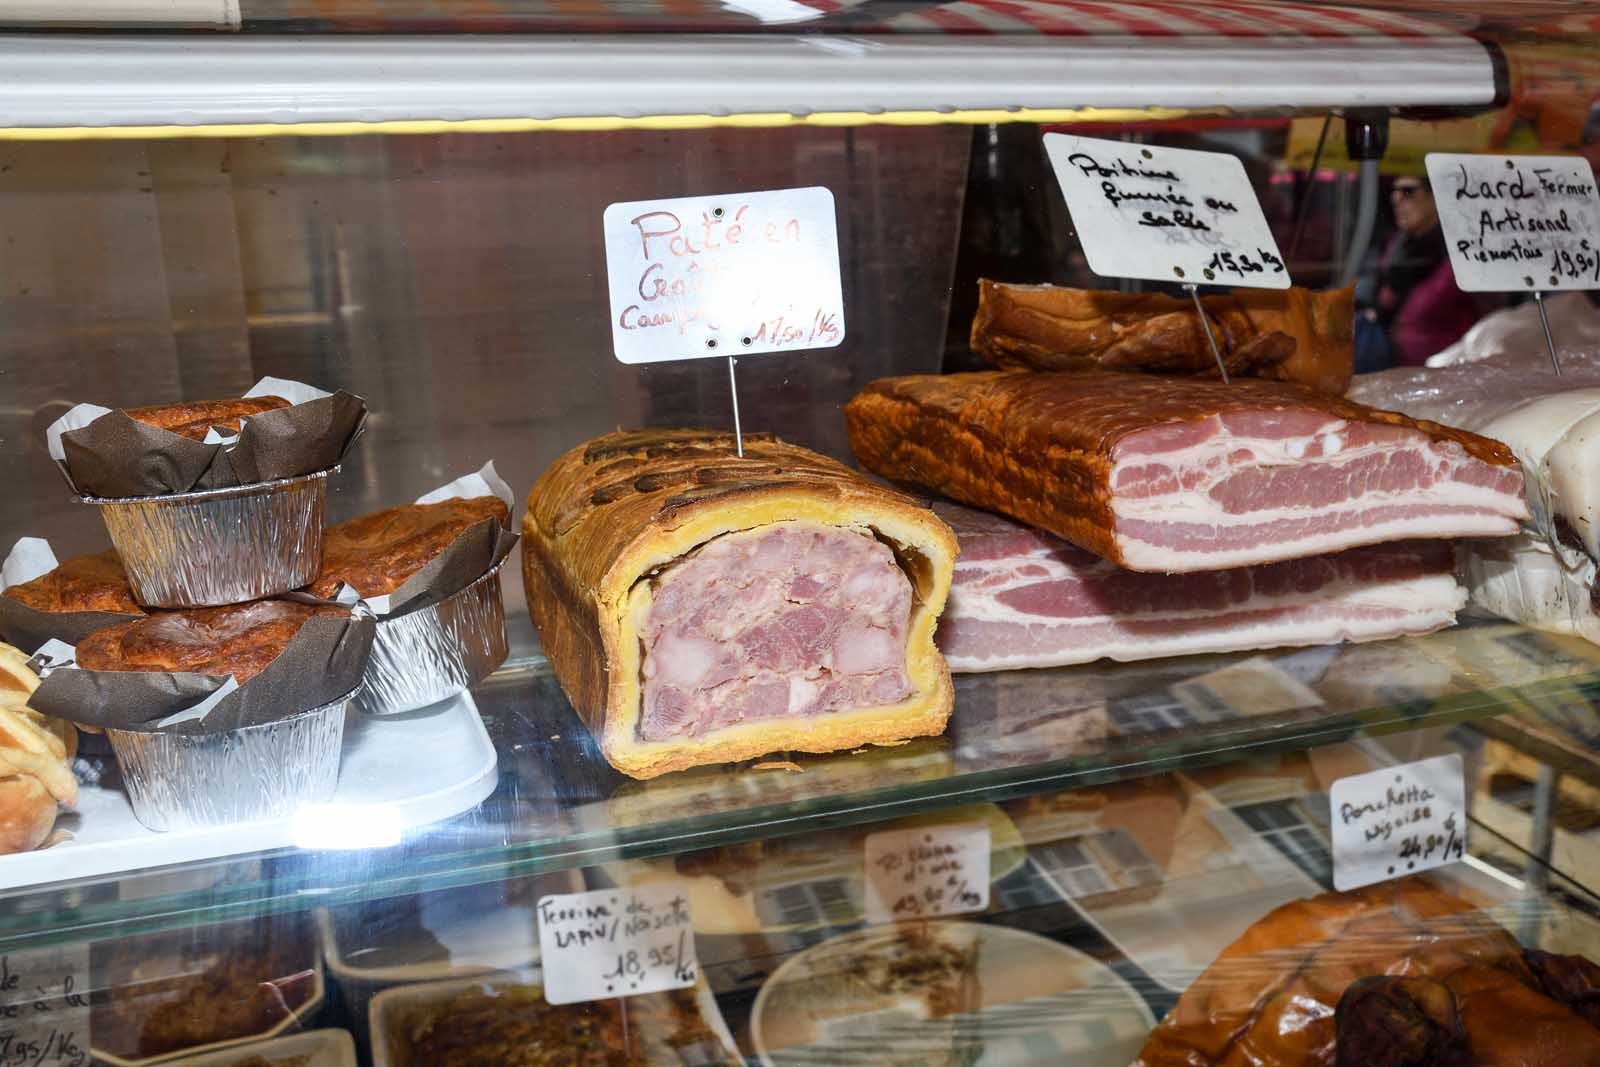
(612, 516)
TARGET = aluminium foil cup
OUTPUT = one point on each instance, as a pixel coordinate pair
(219, 546)
(424, 656)
(179, 781)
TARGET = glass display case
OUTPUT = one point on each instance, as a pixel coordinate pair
(391, 213)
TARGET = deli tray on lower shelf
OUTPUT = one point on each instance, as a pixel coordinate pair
(397, 772)
(310, 1048)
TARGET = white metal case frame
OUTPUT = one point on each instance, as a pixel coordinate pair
(107, 82)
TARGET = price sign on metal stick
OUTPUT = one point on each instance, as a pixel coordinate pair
(616, 943)
(1519, 224)
(1167, 214)
(732, 275)
(1397, 821)
(927, 871)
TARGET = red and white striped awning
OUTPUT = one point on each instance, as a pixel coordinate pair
(1246, 20)
(1252, 20)
(1230, 19)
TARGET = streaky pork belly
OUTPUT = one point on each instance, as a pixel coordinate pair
(1022, 598)
(1175, 475)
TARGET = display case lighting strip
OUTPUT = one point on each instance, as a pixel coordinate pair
(160, 86)
(606, 122)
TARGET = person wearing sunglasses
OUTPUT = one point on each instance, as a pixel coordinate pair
(1410, 306)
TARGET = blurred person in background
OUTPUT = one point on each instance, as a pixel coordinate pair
(1408, 307)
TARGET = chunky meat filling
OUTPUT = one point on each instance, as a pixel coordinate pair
(792, 620)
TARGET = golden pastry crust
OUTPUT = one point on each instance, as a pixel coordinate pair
(35, 759)
(1291, 335)
(83, 583)
(27, 813)
(240, 639)
(620, 507)
(376, 553)
(17, 680)
(193, 418)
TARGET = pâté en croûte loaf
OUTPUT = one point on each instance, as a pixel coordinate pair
(698, 607)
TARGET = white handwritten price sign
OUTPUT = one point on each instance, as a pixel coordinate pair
(616, 943)
(927, 871)
(731, 275)
(44, 1007)
(1398, 821)
(1165, 214)
(1518, 222)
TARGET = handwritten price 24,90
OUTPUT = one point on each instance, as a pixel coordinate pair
(1581, 262)
(1241, 264)
(1423, 847)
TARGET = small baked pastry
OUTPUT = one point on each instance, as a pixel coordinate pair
(17, 679)
(194, 418)
(698, 607)
(376, 553)
(35, 760)
(240, 639)
(83, 583)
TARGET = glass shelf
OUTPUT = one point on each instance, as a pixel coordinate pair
(558, 805)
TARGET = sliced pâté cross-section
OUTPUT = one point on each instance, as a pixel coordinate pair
(698, 607)
(1182, 474)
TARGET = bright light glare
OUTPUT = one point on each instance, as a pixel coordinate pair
(345, 826)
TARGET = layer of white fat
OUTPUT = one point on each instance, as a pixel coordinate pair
(1413, 606)
(1195, 506)
(1556, 438)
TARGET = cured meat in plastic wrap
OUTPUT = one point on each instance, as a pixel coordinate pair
(1514, 336)
(1546, 575)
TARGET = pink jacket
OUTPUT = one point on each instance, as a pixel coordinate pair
(1433, 317)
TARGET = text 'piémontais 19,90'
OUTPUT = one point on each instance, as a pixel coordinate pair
(1518, 223)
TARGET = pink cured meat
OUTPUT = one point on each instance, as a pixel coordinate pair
(1174, 475)
(789, 621)
(1023, 598)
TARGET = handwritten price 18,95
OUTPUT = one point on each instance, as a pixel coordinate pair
(1241, 264)
(615, 943)
(635, 964)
